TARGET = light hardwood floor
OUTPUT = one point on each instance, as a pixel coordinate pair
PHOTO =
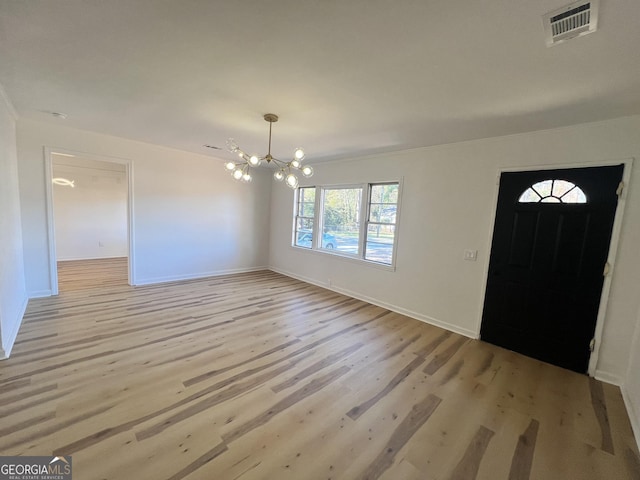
(87, 274)
(259, 376)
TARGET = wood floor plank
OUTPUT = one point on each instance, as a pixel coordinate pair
(258, 375)
(523, 455)
(600, 409)
(467, 467)
(420, 413)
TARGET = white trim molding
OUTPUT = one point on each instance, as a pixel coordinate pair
(5, 349)
(40, 293)
(634, 416)
(607, 377)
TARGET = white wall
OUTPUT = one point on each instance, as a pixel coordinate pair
(90, 218)
(13, 295)
(448, 202)
(190, 218)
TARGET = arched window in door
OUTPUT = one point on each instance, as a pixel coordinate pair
(553, 191)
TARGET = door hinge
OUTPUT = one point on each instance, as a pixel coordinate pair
(592, 344)
(620, 188)
(607, 269)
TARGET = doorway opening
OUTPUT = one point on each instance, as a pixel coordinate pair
(549, 253)
(90, 227)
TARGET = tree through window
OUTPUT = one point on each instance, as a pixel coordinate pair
(358, 221)
(553, 191)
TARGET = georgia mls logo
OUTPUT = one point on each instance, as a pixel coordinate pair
(65, 464)
(35, 468)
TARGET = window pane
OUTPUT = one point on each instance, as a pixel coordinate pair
(529, 196)
(379, 244)
(306, 201)
(560, 187)
(307, 209)
(304, 238)
(381, 223)
(382, 213)
(384, 193)
(305, 225)
(307, 194)
(341, 219)
(543, 188)
(305, 213)
(575, 196)
(374, 212)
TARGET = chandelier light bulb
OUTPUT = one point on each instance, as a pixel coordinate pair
(254, 161)
(230, 166)
(232, 146)
(279, 175)
(298, 154)
(237, 174)
(246, 178)
(240, 153)
(295, 163)
(307, 171)
(291, 180)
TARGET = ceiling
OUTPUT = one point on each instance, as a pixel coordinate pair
(346, 77)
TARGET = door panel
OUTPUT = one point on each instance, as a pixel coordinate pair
(546, 265)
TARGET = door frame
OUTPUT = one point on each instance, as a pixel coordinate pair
(53, 260)
(611, 258)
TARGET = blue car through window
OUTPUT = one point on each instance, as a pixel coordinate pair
(305, 238)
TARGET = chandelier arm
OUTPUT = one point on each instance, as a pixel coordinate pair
(280, 163)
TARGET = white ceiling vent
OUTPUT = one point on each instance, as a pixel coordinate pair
(570, 21)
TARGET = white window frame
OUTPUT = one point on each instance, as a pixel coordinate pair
(296, 206)
(363, 222)
(367, 222)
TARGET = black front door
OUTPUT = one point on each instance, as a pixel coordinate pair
(550, 246)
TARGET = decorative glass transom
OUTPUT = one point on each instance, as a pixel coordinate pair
(553, 191)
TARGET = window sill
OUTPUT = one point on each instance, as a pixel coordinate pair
(346, 257)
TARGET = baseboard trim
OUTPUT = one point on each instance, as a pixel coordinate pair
(75, 259)
(217, 273)
(608, 378)
(634, 416)
(389, 306)
(40, 294)
(5, 350)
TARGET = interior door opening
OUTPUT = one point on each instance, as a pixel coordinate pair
(89, 222)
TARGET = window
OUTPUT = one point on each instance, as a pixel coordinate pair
(381, 223)
(305, 215)
(357, 221)
(341, 208)
(553, 191)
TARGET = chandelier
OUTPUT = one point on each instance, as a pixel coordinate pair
(241, 170)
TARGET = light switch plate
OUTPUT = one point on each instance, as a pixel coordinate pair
(471, 255)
